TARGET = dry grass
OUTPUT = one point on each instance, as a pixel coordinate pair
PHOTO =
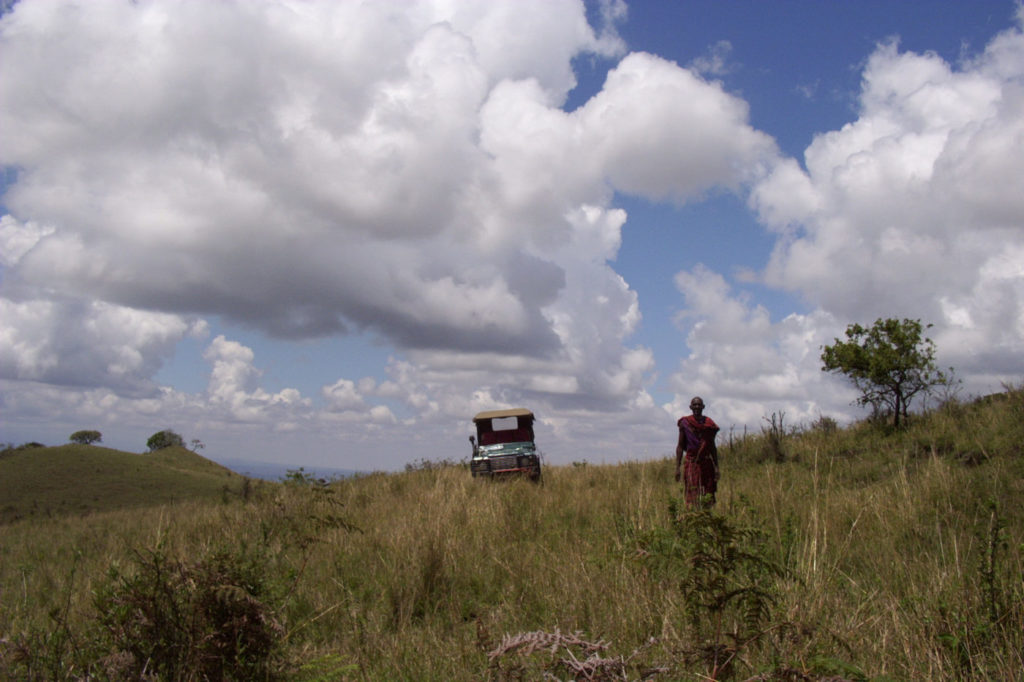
(902, 558)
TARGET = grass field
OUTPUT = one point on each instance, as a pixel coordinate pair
(857, 554)
(79, 479)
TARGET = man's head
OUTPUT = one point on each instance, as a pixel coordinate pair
(697, 405)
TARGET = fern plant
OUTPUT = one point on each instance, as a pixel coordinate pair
(209, 619)
(724, 576)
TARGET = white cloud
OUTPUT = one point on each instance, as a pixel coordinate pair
(315, 168)
(343, 395)
(406, 171)
(909, 212)
(68, 342)
(662, 132)
(17, 239)
(323, 175)
(745, 366)
(716, 62)
(904, 212)
(234, 388)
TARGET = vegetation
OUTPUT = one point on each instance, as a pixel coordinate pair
(889, 364)
(86, 437)
(76, 480)
(857, 554)
(209, 619)
(164, 439)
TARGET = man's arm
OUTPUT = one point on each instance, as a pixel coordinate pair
(680, 449)
(712, 431)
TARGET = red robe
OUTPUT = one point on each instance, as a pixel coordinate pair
(700, 466)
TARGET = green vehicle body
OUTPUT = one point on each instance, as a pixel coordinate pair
(504, 444)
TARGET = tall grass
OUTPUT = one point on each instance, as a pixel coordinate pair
(861, 553)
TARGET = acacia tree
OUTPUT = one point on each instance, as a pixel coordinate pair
(890, 364)
(164, 439)
(86, 437)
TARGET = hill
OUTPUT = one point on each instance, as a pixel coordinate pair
(81, 479)
(857, 554)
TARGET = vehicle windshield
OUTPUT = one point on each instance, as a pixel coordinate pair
(505, 430)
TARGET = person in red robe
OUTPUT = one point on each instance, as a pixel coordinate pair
(699, 468)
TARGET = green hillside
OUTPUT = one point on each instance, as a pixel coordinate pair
(863, 554)
(81, 479)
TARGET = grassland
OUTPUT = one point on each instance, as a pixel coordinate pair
(81, 479)
(858, 554)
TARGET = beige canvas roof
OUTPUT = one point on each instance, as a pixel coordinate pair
(497, 414)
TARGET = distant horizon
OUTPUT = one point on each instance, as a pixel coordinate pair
(277, 471)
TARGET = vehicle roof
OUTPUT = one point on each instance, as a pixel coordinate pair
(497, 414)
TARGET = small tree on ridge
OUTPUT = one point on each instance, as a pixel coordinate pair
(86, 437)
(890, 363)
(164, 439)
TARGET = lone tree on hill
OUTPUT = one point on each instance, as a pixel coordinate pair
(164, 439)
(889, 364)
(86, 437)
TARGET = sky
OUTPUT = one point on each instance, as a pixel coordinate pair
(326, 234)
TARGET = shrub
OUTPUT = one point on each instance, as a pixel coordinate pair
(86, 437)
(301, 477)
(164, 439)
(773, 435)
(11, 448)
(725, 577)
(826, 425)
(210, 620)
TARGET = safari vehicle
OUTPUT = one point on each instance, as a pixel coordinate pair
(504, 444)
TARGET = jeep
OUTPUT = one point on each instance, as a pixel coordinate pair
(504, 444)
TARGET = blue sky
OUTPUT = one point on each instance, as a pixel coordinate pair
(326, 234)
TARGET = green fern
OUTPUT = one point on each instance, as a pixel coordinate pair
(725, 578)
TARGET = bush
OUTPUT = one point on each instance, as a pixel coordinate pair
(164, 439)
(86, 437)
(727, 581)
(207, 620)
(10, 448)
(773, 435)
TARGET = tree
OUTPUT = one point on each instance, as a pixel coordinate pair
(164, 439)
(890, 364)
(86, 437)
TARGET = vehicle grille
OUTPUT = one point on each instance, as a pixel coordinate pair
(502, 463)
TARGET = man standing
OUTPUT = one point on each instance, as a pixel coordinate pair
(697, 442)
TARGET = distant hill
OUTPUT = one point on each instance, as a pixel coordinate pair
(81, 479)
(277, 471)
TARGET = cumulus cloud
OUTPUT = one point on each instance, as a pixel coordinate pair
(77, 343)
(663, 132)
(409, 172)
(744, 365)
(320, 168)
(234, 387)
(907, 211)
